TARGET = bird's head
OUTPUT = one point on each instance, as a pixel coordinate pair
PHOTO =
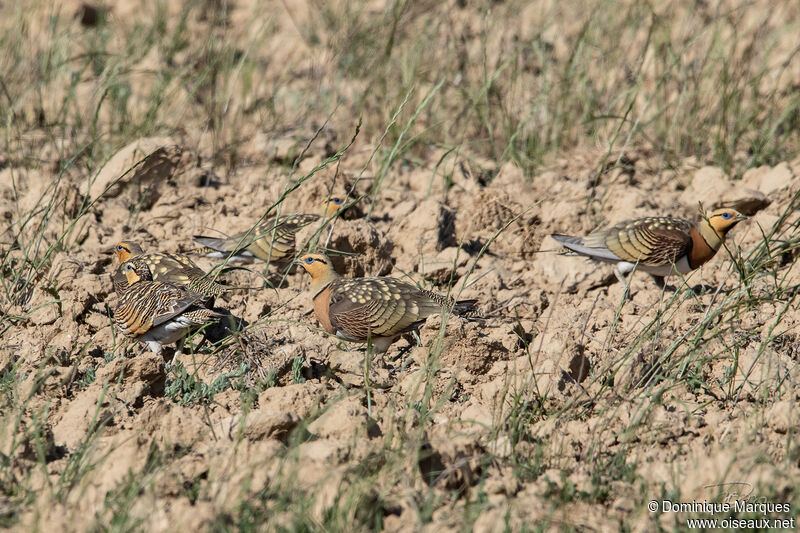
(334, 203)
(319, 267)
(135, 272)
(124, 250)
(723, 220)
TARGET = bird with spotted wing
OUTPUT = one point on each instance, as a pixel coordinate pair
(173, 268)
(271, 240)
(158, 313)
(376, 310)
(660, 246)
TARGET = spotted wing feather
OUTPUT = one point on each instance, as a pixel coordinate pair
(272, 239)
(286, 227)
(275, 239)
(180, 270)
(379, 307)
(650, 241)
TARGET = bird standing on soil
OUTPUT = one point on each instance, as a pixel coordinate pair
(376, 310)
(659, 246)
(159, 313)
(271, 240)
(176, 269)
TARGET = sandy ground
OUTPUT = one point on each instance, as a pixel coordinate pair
(557, 336)
(568, 407)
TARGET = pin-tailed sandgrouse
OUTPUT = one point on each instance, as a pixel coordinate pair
(271, 240)
(376, 309)
(173, 268)
(158, 313)
(659, 246)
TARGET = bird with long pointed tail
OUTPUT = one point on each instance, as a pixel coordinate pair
(376, 310)
(158, 313)
(271, 240)
(660, 246)
(173, 268)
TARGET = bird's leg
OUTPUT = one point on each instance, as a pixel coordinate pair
(368, 359)
(178, 349)
(373, 351)
(380, 345)
(626, 282)
(620, 276)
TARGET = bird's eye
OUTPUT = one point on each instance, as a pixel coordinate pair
(128, 268)
(119, 248)
(309, 260)
(338, 201)
(726, 216)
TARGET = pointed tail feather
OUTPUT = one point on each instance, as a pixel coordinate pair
(214, 244)
(566, 240)
(577, 246)
(462, 308)
(223, 248)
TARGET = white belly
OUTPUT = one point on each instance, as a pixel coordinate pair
(167, 333)
(242, 256)
(682, 267)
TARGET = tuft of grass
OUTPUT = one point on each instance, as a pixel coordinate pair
(184, 388)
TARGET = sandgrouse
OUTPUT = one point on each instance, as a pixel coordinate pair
(659, 246)
(173, 268)
(271, 240)
(376, 309)
(159, 313)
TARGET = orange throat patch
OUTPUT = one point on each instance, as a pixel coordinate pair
(701, 252)
(322, 305)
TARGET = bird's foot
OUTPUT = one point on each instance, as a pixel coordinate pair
(626, 284)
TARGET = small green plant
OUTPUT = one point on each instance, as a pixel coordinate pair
(88, 378)
(185, 389)
(297, 370)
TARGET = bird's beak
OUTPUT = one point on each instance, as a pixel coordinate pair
(741, 217)
(109, 250)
